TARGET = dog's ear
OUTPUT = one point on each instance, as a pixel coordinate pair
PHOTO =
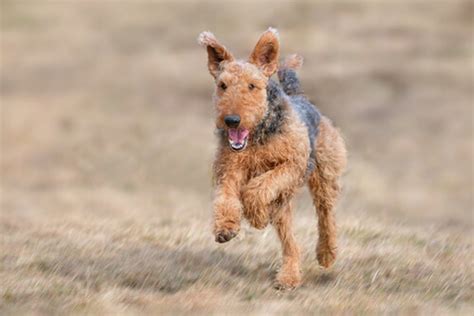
(216, 52)
(266, 53)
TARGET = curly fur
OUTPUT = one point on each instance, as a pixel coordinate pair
(290, 144)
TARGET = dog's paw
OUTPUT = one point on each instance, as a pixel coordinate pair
(257, 216)
(225, 235)
(326, 255)
(225, 230)
(288, 280)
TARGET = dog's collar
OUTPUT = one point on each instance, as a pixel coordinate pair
(275, 116)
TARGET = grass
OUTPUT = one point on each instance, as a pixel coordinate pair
(107, 143)
(139, 266)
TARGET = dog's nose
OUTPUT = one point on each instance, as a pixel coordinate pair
(232, 121)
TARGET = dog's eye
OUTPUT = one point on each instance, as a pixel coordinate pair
(251, 86)
(223, 86)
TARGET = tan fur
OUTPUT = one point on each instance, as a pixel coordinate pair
(266, 53)
(237, 99)
(293, 61)
(325, 188)
(260, 181)
(289, 275)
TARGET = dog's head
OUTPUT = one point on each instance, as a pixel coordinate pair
(241, 86)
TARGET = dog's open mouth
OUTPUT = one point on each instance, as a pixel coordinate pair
(238, 138)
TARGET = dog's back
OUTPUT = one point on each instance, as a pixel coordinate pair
(307, 112)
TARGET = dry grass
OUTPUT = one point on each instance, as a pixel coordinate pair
(107, 142)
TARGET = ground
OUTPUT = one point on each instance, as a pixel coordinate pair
(107, 143)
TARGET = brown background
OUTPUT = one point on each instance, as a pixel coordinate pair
(107, 143)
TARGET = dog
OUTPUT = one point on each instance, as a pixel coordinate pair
(272, 140)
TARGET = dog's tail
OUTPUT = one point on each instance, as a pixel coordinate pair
(287, 74)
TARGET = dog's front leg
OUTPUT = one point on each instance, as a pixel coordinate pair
(261, 191)
(289, 275)
(227, 205)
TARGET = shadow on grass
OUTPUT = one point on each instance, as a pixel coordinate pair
(152, 267)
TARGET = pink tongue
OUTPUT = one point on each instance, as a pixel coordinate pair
(237, 135)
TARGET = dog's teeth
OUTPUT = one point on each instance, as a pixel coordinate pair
(237, 146)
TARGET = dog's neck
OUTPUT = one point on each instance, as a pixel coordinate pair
(275, 116)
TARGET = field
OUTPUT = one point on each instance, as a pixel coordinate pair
(107, 142)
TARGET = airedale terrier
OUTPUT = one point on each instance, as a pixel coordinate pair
(272, 141)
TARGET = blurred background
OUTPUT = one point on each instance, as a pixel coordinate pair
(107, 138)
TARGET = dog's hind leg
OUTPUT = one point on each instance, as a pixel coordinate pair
(325, 189)
(289, 275)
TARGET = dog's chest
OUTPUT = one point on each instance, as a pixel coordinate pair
(260, 164)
